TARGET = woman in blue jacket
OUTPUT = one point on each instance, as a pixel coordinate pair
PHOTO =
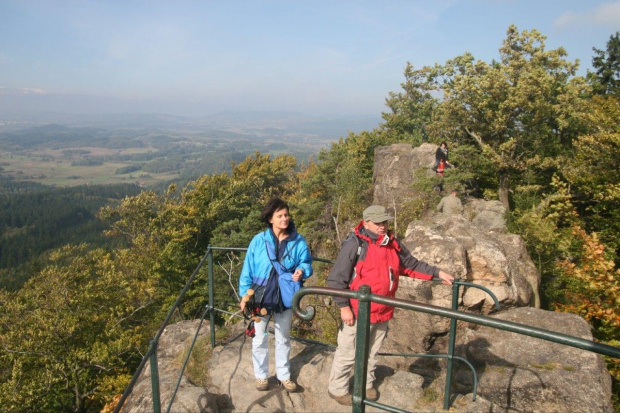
(275, 256)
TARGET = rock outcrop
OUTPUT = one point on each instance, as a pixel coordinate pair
(393, 172)
(520, 373)
(515, 373)
(190, 398)
(492, 258)
(474, 247)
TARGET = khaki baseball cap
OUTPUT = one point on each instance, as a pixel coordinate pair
(376, 214)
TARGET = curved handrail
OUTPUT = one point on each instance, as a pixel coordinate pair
(485, 289)
(536, 332)
(152, 350)
(365, 297)
(309, 312)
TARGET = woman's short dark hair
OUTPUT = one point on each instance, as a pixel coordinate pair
(443, 143)
(274, 204)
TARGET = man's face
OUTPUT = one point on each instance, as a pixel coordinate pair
(380, 228)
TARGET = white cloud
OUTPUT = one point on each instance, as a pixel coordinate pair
(607, 15)
(566, 20)
(21, 91)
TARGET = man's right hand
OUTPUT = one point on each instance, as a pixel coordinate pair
(242, 305)
(347, 315)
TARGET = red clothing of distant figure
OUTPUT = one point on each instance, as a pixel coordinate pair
(441, 167)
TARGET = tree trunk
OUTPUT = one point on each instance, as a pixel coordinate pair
(504, 189)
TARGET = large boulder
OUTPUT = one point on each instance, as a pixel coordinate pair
(485, 215)
(492, 259)
(522, 373)
(475, 247)
(393, 172)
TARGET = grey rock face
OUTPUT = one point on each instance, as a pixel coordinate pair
(515, 373)
(393, 172)
(485, 215)
(521, 373)
(495, 260)
(474, 247)
(190, 398)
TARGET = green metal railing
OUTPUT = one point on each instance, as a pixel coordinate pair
(364, 298)
(151, 354)
(361, 357)
(450, 357)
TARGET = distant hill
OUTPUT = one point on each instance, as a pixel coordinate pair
(324, 127)
(54, 136)
(258, 123)
(154, 149)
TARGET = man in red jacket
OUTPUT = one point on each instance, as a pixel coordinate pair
(371, 256)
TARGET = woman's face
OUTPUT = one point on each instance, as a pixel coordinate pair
(443, 145)
(280, 219)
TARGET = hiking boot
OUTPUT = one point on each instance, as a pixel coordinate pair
(262, 384)
(346, 400)
(289, 385)
(372, 394)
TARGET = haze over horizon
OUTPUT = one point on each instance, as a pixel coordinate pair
(192, 58)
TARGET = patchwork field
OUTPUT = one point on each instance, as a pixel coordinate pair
(48, 168)
(153, 149)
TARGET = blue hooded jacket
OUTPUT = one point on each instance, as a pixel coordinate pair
(293, 253)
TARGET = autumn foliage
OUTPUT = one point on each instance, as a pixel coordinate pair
(592, 289)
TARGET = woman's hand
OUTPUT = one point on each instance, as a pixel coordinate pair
(298, 274)
(347, 315)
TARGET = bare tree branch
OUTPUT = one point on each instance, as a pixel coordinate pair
(229, 272)
(132, 313)
(475, 136)
(336, 219)
(30, 353)
(235, 315)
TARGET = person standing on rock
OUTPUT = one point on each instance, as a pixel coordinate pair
(442, 153)
(451, 204)
(369, 256)
(275, 265)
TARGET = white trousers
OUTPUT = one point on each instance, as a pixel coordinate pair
(344, 358)
(260, 346)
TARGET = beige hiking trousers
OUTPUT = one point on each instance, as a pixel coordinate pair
(344, 358)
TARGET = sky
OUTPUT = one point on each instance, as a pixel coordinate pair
(322, 58)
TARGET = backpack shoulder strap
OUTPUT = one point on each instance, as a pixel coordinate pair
(359, 245)
(280, 269)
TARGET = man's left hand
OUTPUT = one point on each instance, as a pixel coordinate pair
(445, 277)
